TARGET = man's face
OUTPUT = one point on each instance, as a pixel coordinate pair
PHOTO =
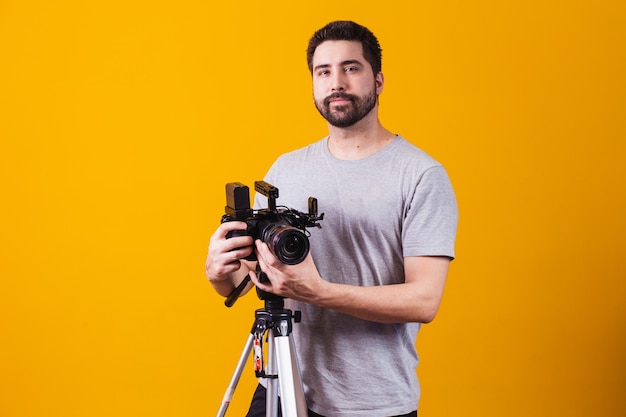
(345, 89)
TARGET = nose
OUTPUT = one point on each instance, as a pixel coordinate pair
(338, 82)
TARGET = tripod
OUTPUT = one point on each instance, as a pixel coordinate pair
(282, 371)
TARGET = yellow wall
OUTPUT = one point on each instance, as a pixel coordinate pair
(121, 121)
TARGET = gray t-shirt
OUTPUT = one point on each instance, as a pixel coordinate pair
(393, 204)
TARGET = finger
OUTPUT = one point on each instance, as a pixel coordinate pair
(261, 250)
(241, 244)
(255, 279)
(227, 227)
(266, 254)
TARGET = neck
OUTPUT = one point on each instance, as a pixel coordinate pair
(358, 141)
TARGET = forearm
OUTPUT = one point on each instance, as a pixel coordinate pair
(415, 300)
(399, 303)
(224, 286)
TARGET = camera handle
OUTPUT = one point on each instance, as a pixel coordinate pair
(236, 292)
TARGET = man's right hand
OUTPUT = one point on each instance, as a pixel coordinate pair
(223, 262)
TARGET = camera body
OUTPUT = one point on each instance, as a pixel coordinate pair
(281, 228)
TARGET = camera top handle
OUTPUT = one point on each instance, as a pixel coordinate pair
(269, 191)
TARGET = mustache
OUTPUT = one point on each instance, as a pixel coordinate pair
(339, 95)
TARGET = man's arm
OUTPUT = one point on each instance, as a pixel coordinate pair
(415, 300)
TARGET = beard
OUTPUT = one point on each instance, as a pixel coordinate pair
(348, 114)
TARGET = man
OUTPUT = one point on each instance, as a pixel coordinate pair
(378, 266)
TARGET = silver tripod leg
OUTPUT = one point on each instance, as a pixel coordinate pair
(291, 392)
(230, 391)
(272, 395)
(297, 381)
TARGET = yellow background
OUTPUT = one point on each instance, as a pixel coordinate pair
(121, 121)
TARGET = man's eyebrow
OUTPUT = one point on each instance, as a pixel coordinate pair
(352, 62)
(343, 63)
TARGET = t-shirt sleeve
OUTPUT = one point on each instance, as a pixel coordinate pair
(431, 218)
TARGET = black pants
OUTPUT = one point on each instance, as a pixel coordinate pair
(257, 407)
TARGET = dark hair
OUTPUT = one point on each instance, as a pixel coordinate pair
(345, 30)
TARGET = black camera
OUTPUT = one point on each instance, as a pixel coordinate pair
(282, 228)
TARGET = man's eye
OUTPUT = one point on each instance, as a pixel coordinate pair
(351, 69)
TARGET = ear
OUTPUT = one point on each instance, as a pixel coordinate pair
(380, 82)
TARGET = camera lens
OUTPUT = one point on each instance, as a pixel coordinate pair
(289, 244)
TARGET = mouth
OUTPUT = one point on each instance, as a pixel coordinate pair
(338, 100)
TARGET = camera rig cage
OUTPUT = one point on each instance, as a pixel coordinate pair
(238, 205)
